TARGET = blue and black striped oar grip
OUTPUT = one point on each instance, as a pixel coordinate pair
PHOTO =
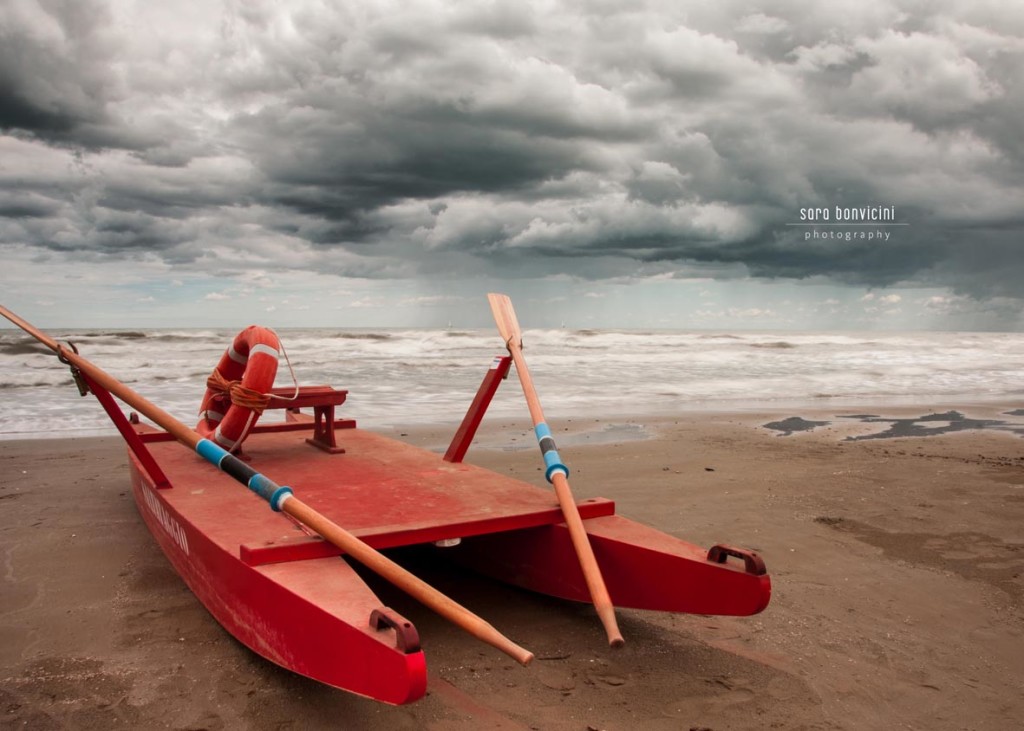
(232, 465)
(550, 452)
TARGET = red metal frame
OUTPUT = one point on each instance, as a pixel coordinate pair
(471, 421)
(135, 442)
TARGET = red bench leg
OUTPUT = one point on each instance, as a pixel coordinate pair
(323, 430)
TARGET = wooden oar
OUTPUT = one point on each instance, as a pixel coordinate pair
(557, 473)
(281, 499)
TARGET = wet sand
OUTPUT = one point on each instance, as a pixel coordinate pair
(897, 568)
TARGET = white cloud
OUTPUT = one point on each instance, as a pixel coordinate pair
(761, 23)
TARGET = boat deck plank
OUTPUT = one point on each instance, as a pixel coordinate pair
(387, 493)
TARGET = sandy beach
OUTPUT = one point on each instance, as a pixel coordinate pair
(897, 568)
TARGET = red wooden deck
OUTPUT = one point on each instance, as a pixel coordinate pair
(385, 492)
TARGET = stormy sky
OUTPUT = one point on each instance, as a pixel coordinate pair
(619, 164)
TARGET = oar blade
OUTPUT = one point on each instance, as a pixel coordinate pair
(505, 317)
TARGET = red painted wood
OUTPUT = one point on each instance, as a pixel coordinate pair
(299, 425)
(273, 427)
(323, 399)
(471, 421)
(472, 521)
(380, 487)
(312, 617)
(643, 568)
(282, 398)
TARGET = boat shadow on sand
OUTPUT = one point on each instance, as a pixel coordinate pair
(575, 673)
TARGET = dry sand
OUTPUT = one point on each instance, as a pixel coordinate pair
(897, 568)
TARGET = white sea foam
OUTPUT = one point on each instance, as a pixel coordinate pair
(423, 376)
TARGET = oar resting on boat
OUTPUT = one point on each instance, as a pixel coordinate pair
(282, 499)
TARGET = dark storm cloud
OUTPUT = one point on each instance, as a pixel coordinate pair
(54, 82)
(591, 139)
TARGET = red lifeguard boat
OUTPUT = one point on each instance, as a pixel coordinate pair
(290, 596)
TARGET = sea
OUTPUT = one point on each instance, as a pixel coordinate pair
(398, 377)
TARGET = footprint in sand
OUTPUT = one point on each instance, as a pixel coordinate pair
(722, 693)
(613, 681)
(557, 678)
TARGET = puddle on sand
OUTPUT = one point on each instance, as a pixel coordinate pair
(922, 426)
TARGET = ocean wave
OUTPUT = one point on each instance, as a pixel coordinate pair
(6, 385)
(362, 336)
(109, 337)
(187, 337)
(119, 334)
(184, 376)
(408, 375)
(29, 348)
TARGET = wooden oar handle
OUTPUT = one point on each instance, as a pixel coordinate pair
(588, 562)
(411, 584)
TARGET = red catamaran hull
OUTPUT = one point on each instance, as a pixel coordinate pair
(289, 596)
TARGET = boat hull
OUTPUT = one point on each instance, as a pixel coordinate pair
(291, 597)
(643, 568)
(311, 617)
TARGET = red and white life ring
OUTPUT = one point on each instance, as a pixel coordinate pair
(237, 390)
